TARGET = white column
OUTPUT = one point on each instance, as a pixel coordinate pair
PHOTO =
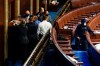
(17, 8)
(31, 6)
(5, 29)
(37, 5)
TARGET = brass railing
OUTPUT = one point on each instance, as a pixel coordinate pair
(37, 54)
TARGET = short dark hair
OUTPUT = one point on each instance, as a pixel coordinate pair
(45, 17)
(40, 8)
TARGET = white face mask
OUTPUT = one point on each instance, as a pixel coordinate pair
(85, 24)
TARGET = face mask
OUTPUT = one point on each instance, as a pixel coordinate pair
(84, 24)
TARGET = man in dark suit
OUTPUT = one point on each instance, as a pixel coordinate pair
(27, 15)
(80, 34)
(32, 34)
(21, 41)
(40, 14)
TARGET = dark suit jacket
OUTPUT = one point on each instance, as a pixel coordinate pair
(32, 30)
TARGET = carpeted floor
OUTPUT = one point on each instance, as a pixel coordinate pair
(83, 56)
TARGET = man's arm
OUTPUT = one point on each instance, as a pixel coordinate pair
(90, 31)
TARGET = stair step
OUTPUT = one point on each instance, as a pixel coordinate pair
(66, 49)
(97, 28)
(79, 63)
(70, 26)
(64, 45)
(75, 57)
(63, 41)
(75, 19)
(70, 53)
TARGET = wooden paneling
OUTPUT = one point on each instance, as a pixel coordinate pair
(1, 32)
(25, 5)
(1, 10)
(34, 6)
(1, 43)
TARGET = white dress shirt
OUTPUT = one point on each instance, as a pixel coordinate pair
(27, 19)
(43, 27)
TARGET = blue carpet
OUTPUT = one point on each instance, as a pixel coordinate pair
(83, 57)
(53, 14)
(18, 63)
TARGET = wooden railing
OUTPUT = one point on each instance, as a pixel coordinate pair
(80, 3)
(65, 53)
(54, 38)
(92, 51)
(94, 22)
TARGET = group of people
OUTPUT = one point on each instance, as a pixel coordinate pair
(28, 29)
(26, 32)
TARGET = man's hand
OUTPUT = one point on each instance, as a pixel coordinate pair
(78, 38)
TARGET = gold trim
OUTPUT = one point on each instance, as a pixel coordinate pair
(45, 4)
(31, 6)
(49, 1)
(37, 6)
(40, 54)
(5, 29)
(17, 8)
